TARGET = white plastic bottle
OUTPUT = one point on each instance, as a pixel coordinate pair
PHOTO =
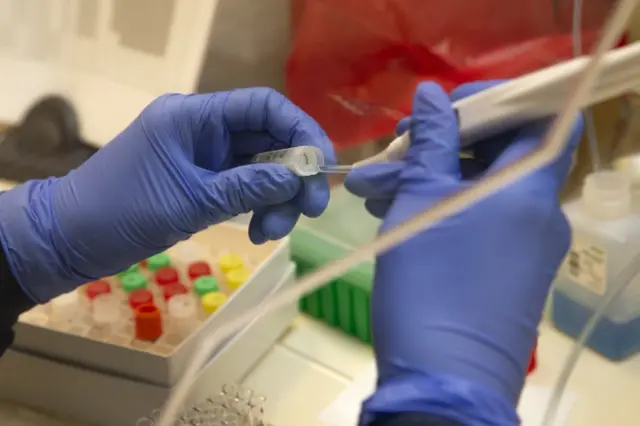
(606, 239)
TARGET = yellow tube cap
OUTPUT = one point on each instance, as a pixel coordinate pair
(212, 301)
(237, 277)
(230, 262)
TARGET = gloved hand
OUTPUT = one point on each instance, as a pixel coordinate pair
(455, 309)
(178, 168)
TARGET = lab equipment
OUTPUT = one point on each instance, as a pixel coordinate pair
(105, 312)
(183, 313)
(211, 302)
(606, 238)
(301, 160)
(230, 261)
(531, 97)
(198, 269)
(126, 369)
(173, 290)
(252, 119)
(158, 261)
(236, 277)
(626, 279)
(133, 281)
(140, 297)
(97, 288)
(67, 310)
(205, 284)
(553, 145)
(166, 276)
(148, 322)
(132, 268)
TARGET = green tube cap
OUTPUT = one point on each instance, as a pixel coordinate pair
(160, 260)
(133, 281)
(132, 268)
(205, 284)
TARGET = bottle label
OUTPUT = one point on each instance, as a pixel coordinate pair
(586, 265)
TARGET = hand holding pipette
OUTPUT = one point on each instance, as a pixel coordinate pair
(508, 248)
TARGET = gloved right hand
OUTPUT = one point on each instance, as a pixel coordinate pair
(455, 309)
(180, 167)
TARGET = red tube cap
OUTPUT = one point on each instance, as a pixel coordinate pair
(198, 269)
(166, 276)
(533, 362)
(148, 322)
(98, 288)
(171, 290)
(140, 297)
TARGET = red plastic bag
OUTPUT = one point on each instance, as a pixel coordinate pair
(355, 63)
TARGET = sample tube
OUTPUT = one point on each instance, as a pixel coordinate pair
(133, 281)
(67, 310)
(173, 290)
(301, 160)
(198, 269)
(229, 262)
(237, 277)
(160, 260)
(166, 276)
(148, 323)
(182, 314)
(105, 312)
(97, 288)
(140, 297)
(211, 302)
(205, 284)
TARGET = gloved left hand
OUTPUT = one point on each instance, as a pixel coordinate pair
(180, 167)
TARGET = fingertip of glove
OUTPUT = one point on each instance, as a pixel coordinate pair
(315, 195)
(366, 181)
(278, 221)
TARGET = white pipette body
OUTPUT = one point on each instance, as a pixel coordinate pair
(531, 97)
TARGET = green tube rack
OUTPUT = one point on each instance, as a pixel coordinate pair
(343, 303)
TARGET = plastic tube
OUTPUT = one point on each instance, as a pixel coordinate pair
(590, 127)
(553, 144)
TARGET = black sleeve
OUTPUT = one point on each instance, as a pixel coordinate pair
(415, 419)
(13, 302)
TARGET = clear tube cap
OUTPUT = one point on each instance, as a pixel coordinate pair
(606, 194)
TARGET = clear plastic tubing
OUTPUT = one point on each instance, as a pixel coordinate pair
(301, 160)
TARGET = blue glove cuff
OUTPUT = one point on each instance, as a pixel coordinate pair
(444, 396)
(27, 230)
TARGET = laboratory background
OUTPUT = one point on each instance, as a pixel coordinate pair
(74, 73)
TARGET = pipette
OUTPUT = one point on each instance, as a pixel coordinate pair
(531, 97)
(495, 110)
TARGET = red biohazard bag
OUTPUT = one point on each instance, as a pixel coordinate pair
(355, 63)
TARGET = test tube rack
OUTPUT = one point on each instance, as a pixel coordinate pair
(115, 380)
(344, 302)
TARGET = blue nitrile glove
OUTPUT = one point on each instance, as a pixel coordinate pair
(455, 309)
(178, 168)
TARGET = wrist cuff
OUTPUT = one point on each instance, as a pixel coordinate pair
(444, 396)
